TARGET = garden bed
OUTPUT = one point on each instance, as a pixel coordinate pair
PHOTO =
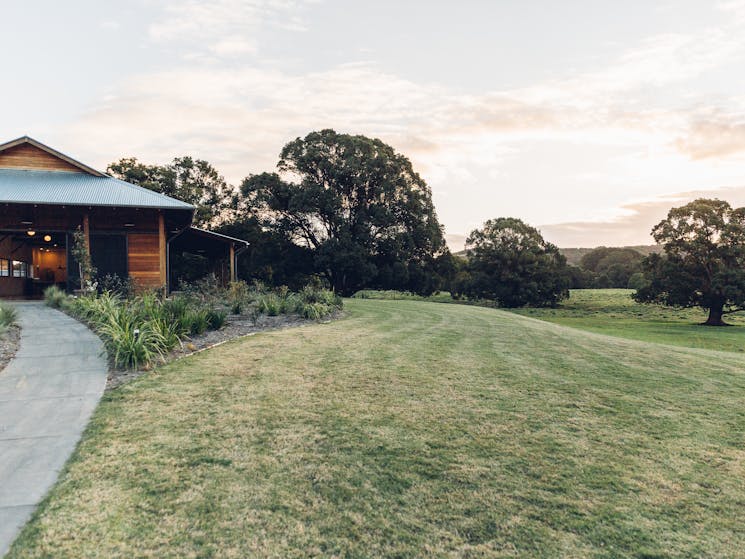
(9, 341)
(143, 330)
(10, 334)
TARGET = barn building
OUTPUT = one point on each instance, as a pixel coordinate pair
(45, 196)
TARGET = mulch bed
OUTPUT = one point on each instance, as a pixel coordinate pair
(236, 326)
(9, 342)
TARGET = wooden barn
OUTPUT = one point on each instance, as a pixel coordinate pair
(45, 196)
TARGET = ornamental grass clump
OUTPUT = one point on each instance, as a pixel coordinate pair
(198, 321)
(8, 317)
(270, 304)
(131, 344)
(216, 319)
(54, 297)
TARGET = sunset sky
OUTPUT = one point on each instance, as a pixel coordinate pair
(589, 119)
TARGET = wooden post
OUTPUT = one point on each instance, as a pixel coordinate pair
(162, 248)
(87, 232)
(232, 262)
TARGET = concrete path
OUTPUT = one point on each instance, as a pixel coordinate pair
(47, 394)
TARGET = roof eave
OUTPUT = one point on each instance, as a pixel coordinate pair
(188, 208)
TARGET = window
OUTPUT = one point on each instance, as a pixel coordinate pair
(4, 268)
(20, 269)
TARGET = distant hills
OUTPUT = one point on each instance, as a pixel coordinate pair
(574, 255)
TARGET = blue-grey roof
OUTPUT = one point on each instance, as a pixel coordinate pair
(79, 189)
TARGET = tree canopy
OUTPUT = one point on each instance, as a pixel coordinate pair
(357, 204)
(611, 266)
(703, 263)
(510, 262)
(194, 181)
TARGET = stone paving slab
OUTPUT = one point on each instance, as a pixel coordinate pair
(47, 395)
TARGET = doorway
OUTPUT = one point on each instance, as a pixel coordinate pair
(31, 261)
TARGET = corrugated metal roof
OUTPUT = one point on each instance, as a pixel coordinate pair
(79, 189)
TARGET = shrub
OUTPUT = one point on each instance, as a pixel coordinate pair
(54, 297)
(269, 304)
(291, 303)
(126, 287)
(129, 343)
(216, 319)
(8, 316)
(167, 331)
(311, 294)
(238, 296)
(315, 311)
(198, 322)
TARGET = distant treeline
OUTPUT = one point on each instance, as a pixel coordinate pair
(574, 255)
(604, 267)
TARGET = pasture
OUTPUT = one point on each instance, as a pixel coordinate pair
(614, 312)
(412, 429)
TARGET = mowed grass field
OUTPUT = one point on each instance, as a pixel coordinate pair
(614, 312)
(412, 429)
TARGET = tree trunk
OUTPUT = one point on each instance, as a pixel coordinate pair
(715, 316)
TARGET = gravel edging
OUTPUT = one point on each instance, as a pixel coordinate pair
(9, 342)
(236, 326)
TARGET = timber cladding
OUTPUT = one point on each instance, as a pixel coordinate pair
(143, 254)
(26, 156)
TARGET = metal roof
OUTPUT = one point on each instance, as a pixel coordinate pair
(213, 234)
(79, 189)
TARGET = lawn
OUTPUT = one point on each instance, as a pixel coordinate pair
(614, 312)
(412, 429)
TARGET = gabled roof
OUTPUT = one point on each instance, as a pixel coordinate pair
(79, 189)
(51, 151)
(74, 185)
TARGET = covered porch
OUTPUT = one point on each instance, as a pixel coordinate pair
(195, 253)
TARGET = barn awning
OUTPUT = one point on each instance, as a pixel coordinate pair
(211, 245)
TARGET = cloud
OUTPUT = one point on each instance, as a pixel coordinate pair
(226, 28)
(230, 46)
(714, 136)
(635, 226)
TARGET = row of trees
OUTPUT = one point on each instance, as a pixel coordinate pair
(353, 211)
(347, 208)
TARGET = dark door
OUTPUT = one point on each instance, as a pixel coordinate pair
(109, 255)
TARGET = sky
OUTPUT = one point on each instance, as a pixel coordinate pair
(588, 119)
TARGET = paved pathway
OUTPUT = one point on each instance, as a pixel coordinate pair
(47, 395)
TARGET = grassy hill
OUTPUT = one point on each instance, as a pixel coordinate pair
(574, 255)
(412, 429)
(614, 312)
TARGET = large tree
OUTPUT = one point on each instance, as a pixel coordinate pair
(511, 263)
(194, 181)
(703, 264)
(357, 204)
